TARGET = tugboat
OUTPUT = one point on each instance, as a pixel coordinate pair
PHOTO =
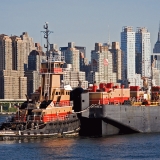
(50, 112)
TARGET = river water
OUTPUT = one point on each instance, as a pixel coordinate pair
(134, 146)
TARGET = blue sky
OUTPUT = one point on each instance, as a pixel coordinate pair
(84, 22)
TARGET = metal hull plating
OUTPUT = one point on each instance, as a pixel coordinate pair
(144, 119)
(117, 119)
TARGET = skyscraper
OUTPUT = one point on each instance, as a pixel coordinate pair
(128, 48)
(117, 59)
(143, 52)
(34, 61)
(5, 52)
(28, 47)
(156, 52)
(74, 59)
(74, 55)
(101, 65)
(13, 84)
(157, 45)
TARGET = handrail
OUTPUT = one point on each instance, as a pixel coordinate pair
(45, 118)
(49, 118)
(34, 118)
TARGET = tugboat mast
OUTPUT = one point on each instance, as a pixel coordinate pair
(49, 57)
(46, 35)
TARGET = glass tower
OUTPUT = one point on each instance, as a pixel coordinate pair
(128, 49)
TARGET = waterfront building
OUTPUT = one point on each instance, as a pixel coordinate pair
(28, 47)
(101, 65)
(74, 55)
(155, 77)
(138, 80)
(87, 69)
(13, 84)
(74, 74)
(117, 59)
(143, 52)
(155, 58)
(74, 78)
(128, 48)
(156, 52)
(34, 61)
(54, 50)
(38, 47)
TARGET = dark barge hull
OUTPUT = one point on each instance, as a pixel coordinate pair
(104, 120)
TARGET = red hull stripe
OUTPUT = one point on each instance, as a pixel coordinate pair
(53, 117)
(108, 100)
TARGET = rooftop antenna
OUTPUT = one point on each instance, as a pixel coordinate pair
(109, 38)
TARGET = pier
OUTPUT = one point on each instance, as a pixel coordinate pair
(10, 103)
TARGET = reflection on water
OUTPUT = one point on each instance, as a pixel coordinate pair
(135, 146)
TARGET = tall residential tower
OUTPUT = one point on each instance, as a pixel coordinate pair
(13, 84)
(101, 65)
(128, 48)
(143, 52)
(28, 47)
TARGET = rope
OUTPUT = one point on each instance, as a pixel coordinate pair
(91, 106)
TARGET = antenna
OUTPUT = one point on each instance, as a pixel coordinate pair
(108, 37)
(46, 34)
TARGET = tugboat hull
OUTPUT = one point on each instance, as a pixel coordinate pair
(22, 130)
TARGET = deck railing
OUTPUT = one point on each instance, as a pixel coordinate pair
(62, 104)
(45, 118)
(52, 70)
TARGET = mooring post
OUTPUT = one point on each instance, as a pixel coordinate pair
(1, 108)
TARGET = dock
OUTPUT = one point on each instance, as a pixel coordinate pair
(7, 113)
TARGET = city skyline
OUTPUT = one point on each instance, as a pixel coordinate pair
(82, 22)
